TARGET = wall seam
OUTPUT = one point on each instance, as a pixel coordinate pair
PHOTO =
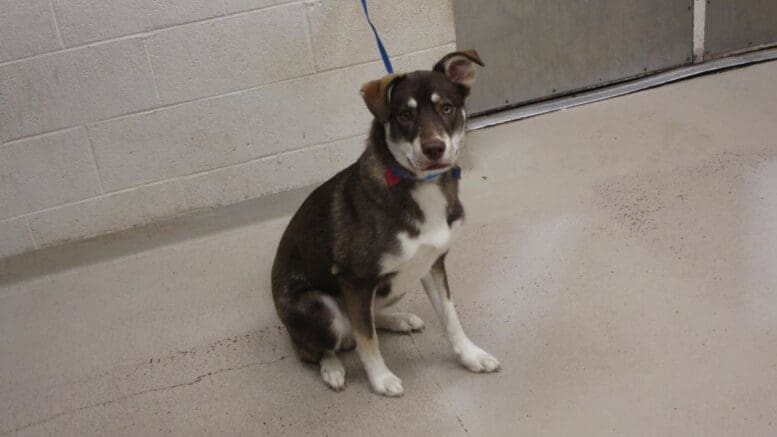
(56, 24)
(309, 36)
(31, 234)
(153, 73)
(94, 161)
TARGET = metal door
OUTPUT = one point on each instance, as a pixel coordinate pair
(734, 25)
(539, 48)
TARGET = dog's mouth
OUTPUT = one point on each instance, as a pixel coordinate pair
(436, 167)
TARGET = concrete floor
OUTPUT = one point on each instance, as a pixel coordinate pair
(620, 259)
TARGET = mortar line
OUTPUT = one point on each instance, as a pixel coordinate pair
(56, 25)
(94, 161)
(182, 178)
(206, 98)
(32, 235)
(309, 36)
(151, 69)
(149, 32)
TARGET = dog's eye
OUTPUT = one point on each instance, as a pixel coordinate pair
(405, 115)
(447, 108)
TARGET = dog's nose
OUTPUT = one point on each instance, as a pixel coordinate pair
(433, 149)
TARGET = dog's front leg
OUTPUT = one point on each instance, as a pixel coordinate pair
(469, 355)
(359, 304)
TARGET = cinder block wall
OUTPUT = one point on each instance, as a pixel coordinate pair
(117, 113)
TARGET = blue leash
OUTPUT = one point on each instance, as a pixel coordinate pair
(383, 53)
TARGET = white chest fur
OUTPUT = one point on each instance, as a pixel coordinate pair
(417, 254)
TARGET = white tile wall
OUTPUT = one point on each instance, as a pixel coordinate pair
(257, 178)
(345, 152)
(46, 171)
(84, 21)
(27, 28)
(246, 5)
(107, 213)
(171, 142)
(312, 110)
(340, 36)
(14, 237)
(234, 53)
(74, 87)
(118, 113)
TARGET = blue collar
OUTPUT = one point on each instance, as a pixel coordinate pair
(394, 175)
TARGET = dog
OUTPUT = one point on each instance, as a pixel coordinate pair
(371, 232)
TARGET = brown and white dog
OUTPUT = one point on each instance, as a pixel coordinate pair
(368, 234)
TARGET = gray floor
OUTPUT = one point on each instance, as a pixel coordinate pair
(619, 259)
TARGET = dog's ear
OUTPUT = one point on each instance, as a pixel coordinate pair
(460, 67)
(377, 94)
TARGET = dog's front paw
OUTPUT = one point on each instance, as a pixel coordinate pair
(387, 384)
(477, 360)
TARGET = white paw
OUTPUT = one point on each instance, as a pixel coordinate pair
(479, 361)
(333, 373)
(399, 322)
(387, 384)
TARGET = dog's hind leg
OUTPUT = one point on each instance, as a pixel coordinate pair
(319, 328)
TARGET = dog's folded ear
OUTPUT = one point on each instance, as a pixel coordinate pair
(460, 67)
(377, 95)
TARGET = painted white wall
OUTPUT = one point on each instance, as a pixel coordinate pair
(118, 113)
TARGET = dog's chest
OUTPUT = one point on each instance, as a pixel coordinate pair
(418, 253)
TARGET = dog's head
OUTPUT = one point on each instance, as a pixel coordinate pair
(423, 112)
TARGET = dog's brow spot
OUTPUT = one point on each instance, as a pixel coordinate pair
(412, 103)
(435, 97)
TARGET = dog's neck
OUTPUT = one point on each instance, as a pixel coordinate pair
(379, 158)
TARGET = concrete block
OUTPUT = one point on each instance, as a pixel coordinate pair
(341, 35)
(14, 237)
(171, 142)
(321, 108)
(27, 28)
(247, 5)
(220, 56)
(73, 87)
(108, 213)
(345, 152)
(312, 110)
(423, 59)
(83, 21)
(46, 171)
(259, 177)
